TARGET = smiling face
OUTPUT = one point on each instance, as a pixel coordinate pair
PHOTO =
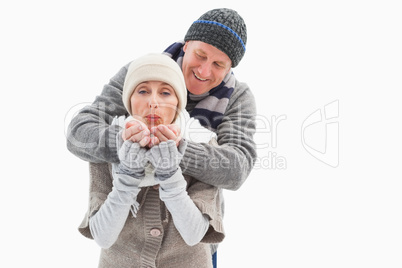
(204, 66)
(154, 103)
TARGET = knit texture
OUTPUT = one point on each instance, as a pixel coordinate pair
(154, 67)
(92, 138)
(140, 247)
(212, 105)
(223, 28)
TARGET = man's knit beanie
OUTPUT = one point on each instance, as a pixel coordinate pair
(155, 67)
(224, 29)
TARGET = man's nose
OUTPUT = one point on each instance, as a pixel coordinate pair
(204, 69)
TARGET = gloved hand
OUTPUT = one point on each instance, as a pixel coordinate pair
(132, 159)
(166, 158)
(119, 140)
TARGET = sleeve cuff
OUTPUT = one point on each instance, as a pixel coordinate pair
(194, 160)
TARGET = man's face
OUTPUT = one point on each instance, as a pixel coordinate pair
(204, 66)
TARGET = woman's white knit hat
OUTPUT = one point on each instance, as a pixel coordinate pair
(155, 67)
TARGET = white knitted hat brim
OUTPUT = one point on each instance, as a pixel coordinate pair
(154, 67)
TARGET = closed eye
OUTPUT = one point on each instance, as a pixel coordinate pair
(200, 56)
(219, 65)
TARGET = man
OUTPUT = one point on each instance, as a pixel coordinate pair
(213, 45)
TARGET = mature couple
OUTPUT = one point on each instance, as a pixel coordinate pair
(147, 207)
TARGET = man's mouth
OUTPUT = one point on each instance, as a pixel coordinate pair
(199, 78)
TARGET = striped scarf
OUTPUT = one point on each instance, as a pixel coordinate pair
(211, 106)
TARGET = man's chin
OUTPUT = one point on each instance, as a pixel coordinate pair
(198, 90)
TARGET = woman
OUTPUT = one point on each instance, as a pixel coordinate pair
(174, 218)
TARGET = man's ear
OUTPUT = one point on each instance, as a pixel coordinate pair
(185, 46)
(230, 68)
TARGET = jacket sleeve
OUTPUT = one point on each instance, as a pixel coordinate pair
(90, 135)
(209, 200)
(106, 224)
(100, 185)
(227, 164)
(92, 138)
(189, 221)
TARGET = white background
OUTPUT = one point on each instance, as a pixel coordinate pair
(301, 56)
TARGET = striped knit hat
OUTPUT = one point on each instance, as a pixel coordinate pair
(224, 29)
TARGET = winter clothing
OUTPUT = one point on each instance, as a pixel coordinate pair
(108, 224)
(166, 158)
(224, 29)
(155, 241)
(228, 110)
(154, 67)
(132, 160)
(212, 104)
(92, 137)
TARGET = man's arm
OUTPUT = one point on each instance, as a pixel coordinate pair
(90, 135)
(227, 165)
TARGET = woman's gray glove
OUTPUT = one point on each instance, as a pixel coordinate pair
(132, 159)
(166, 158)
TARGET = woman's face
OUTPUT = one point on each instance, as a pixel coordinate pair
(204, 66)
(154, 103)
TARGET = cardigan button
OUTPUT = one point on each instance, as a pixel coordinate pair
(155, 232)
